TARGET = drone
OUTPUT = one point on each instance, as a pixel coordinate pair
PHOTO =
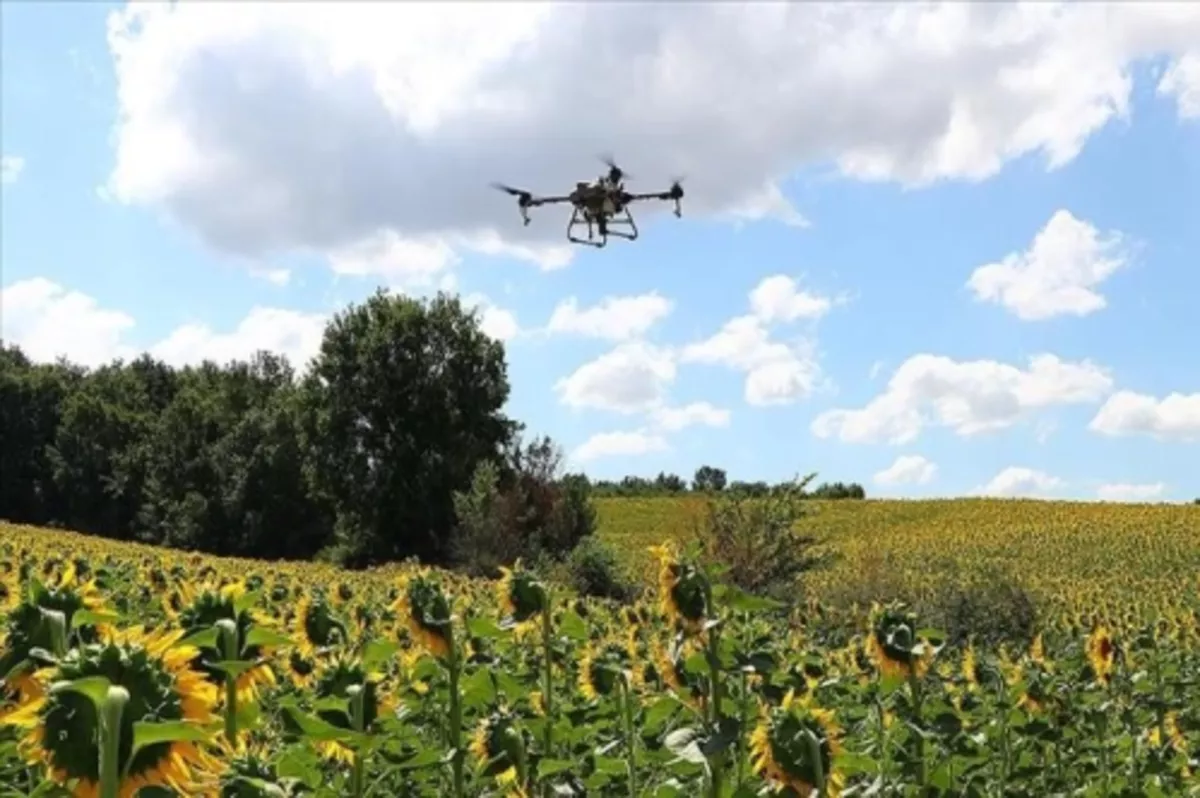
(603, 206)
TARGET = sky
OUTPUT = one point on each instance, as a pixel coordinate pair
(939, 250)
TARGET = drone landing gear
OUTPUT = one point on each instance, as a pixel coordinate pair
(620, 225)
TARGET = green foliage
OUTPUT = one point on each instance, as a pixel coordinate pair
(756, 542)
(405, 399)
(708, 479)
(593, 569)
(987, 604)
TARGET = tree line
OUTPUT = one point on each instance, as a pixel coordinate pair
(393, 443)
(710, 480)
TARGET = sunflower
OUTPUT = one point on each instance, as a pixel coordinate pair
(684, 592)
(499, 746)
(892, 644)
(61, 727)
(601, 667)
(424, 607)
(334, 681)
(10, 590)
(794, 746)
(201, 608)
(669, 666)
(1101, 654)
(521, 595)
(315, 627)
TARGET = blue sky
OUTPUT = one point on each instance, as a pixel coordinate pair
(940, 251)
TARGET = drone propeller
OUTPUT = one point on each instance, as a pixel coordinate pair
(523, 197)
(615, 173)
(676, 189)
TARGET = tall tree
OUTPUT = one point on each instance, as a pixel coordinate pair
(404, 398)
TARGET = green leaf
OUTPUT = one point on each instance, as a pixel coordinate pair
(94, 687)
(146, 733)
(660, 711)
(50, 789)
(484, 628)
(205, 638)
(740, 601)
(853, 764)
(262, 636)
(232, 667)
(377, 652)
(315, 728)
(421, 759)
(90, 618)
(246, 601)
(477, 689)
(549, 767)
(610, 765)
(573, 626)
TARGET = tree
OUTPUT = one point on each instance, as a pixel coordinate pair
(669, 483)
(404, 399)
(709, 479)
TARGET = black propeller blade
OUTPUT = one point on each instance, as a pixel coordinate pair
(615, 173)
(676, 190)
(523, 197)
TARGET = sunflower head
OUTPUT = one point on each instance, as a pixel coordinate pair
(794, 746)
(1101, 654)
(602, 667)
(62, 727)
(202, 609)
(522, 595)
(892, 643)
(499, 745)
(336, 681)
(669, 667)
(425, 608)
(316, 627)
(685, 595)
(250, 773)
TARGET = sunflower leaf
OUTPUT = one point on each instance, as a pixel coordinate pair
(94, 687)
(246, 601)
(262, 636)
(483, 627)
(316, 729)
(573, 626)
(205, 638)
(92, 618)
(232, 667)
(377, 652)
(146, 733)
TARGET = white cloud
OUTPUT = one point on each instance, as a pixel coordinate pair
(631, 378)
(614, 318)
(775, 372)
(1127, 492)
(312, 126)
(909, 469)
(1017, 481)
(618, 444)
(402, 262)
(673, 419)
(777, 298)
(284, 332)
(496, 322)
(11, 167)
(279, 277)
(1057, 275)
(1176, 416)
(1182, 81)
(49, 321)
(968, 397)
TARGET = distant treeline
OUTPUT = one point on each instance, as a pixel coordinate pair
(708, 480)
(359, 459)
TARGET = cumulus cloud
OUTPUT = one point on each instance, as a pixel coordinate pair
(614, 318)
(632, 378)
(618, 444)
(701, 414)
(968, 397)
(308, 126)
(1128, 492)
(1174, 417)
(778, 298)
(495, 321)
(11, 167)
(49, 321)
(1057, 275)
(283, 332)
(1020, 482)
(1182, 81)
(908, 469)
(279, 277)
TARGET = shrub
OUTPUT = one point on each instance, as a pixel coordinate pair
(593, 569)
(755, 541)
(988, 604)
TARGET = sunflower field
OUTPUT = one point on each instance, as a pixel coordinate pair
(130, 670)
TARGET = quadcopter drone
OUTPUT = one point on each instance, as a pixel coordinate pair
(603, 206)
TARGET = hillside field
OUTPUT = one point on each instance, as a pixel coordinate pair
(359, 683)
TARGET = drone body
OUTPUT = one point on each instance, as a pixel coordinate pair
(602, 206)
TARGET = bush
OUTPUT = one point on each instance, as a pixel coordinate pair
(593, 569)
(989, 605)
(755, 540)
(488, 534)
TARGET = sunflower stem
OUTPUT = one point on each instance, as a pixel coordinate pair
(227, 630)
(714, 669)
(547, 691)
(914, 686)
(630, 749)
(57, 622)
(358, 721)
(455, 667)
(818, 767)
(110, 741)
